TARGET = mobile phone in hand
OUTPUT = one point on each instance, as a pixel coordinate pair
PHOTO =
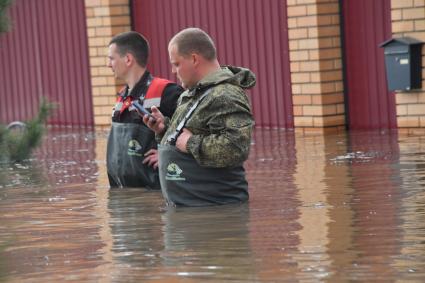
(142, 109)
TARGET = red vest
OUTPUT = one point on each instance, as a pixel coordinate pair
(152, 97)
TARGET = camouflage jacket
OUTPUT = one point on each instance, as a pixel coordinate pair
(222, 123)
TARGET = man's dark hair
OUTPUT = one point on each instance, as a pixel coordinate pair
(134, 43)
(194, 40)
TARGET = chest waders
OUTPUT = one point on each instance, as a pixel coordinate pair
(128, 142)
(185, 182)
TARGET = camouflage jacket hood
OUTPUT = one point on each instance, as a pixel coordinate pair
(222, 123)
(238, 76)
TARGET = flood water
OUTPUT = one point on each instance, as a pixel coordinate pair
(338, 208)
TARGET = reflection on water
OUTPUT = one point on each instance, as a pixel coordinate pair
(196, 248)
(337, 208)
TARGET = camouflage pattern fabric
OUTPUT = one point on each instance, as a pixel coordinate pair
(222, 123)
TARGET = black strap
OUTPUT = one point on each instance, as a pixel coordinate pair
(173, 137)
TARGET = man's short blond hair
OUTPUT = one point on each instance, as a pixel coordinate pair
(194, 40)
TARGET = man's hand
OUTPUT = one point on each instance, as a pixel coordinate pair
(182, 140)
(151, 158)
(157, 125)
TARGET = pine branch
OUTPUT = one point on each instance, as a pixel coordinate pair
(20, 143)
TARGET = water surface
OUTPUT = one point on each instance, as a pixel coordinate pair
(336, 208)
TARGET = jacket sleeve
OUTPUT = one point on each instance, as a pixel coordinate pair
(227, 137)
(169, 99)
(158, 137)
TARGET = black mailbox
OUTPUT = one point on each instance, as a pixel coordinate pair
(403, 63)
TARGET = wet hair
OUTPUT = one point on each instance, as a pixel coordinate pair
(194, 40)
(134, 43)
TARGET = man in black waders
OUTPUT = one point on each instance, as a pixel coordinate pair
(203, 147)
(132, 157)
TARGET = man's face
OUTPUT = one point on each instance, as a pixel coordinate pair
(117, 62)
(183, 67)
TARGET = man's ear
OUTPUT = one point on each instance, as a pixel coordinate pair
(195, 59)
(129, 58)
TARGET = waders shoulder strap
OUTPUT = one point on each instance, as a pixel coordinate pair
(173, 137)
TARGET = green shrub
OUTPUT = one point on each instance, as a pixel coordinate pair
(4, 19)
(17, 145)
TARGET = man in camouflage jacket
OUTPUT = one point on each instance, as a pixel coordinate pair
(218, 133)
(220, 130)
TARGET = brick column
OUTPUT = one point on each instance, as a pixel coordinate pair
(105, 18)
(408, 19)
(316, 65)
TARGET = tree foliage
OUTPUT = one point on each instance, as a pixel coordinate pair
(4, 19)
